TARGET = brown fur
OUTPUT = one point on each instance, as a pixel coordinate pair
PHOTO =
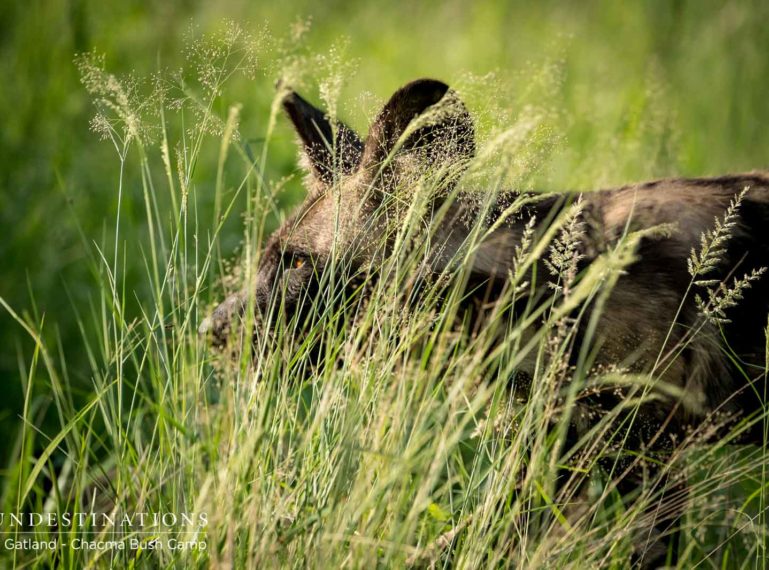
(351, 179)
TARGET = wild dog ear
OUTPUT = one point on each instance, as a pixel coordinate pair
(424, 116)
(317, 136)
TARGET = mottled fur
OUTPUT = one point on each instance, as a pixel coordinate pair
(351, 179)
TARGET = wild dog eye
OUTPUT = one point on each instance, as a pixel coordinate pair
(293, 261)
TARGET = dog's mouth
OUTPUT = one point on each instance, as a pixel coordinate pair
(218, 325)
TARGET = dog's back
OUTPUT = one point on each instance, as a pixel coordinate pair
(652, 320)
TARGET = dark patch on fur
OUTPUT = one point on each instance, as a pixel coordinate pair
(723, 370)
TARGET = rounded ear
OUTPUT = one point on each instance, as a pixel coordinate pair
(423, 115)
(317, 137)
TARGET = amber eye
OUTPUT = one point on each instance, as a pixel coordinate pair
(299, 262)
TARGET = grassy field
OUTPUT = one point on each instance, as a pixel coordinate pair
(136, 190)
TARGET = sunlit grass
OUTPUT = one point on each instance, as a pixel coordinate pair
(369, 435)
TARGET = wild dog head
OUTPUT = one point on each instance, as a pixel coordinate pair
(351, 185)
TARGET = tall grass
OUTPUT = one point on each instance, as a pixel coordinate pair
(380, 431)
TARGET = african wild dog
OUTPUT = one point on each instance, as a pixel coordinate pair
(715, 372)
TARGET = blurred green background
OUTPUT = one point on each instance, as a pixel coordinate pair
(637, 90)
